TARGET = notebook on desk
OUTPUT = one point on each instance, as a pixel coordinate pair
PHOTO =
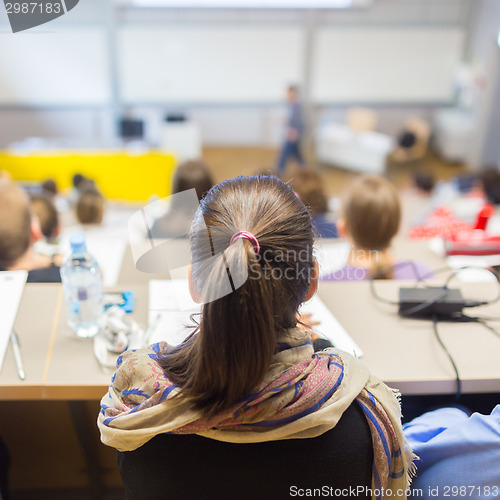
(11, 289)
(170, 308)
(329, 327)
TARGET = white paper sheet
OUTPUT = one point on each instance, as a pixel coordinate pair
(474, 275)
(170, 308)
(169, 321)
(109, 255)
(331, 257)
(11, 289)
(329, 327)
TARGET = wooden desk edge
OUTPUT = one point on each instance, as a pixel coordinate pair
(426, 387)
(74, 392)
(19, 392)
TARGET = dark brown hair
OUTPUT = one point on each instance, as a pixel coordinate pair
(90, 207)
(490, 180)
(307, 183)
(15, 224)
(46, 212)
(49, 187)
(77, 179)
(228, 355)
(372, 213)
(424, 181)
(192, 175)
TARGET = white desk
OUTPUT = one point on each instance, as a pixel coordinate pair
(402, 352)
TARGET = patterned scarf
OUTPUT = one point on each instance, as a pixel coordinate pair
(303, 395)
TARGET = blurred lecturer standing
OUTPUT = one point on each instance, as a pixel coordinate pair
(295, 128)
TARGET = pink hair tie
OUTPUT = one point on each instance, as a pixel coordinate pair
(245, 235)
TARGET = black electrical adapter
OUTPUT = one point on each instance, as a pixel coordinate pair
(432, 301)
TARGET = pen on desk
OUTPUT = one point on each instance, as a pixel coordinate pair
(17, 354)
(151, 329)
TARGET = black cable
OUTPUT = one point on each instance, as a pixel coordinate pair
(485, 318)
(478, 303)
(481, 321)
(441, 343)
(377, 297)
(453, 274)
(420, 279)
(405, 263)
(460, 318)
(476, 319)
(381, 272)
(415, 309)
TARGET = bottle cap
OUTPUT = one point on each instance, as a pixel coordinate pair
(77, 242)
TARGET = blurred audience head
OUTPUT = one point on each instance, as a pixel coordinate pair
(424, 182)
(309, 187)
(17, 231)
(49, 188)
(490, 183)
(90, 206)
(77, 180)
(192, 175)
(43, 208)
(371, 212)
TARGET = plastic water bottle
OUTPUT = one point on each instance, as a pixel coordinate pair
(82, 288)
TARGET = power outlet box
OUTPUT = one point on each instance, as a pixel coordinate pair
(441, 302)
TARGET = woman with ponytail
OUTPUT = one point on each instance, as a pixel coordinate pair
(244, 407)
(370, 219)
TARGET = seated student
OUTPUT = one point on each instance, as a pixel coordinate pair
(51, 191)
(244, 403)
(489, 180)
(423, 183)
(308, 186)
(44, 210)
(466, 195)
(176, 221)
(78, 181)
(47, 216)
(459, 454)
(89, 206)
(18, 233)
(370, 218)
(416, 200)
(49, 188)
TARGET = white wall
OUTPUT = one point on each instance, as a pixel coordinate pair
(484, 31)
(484, 52)
(236, 124)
